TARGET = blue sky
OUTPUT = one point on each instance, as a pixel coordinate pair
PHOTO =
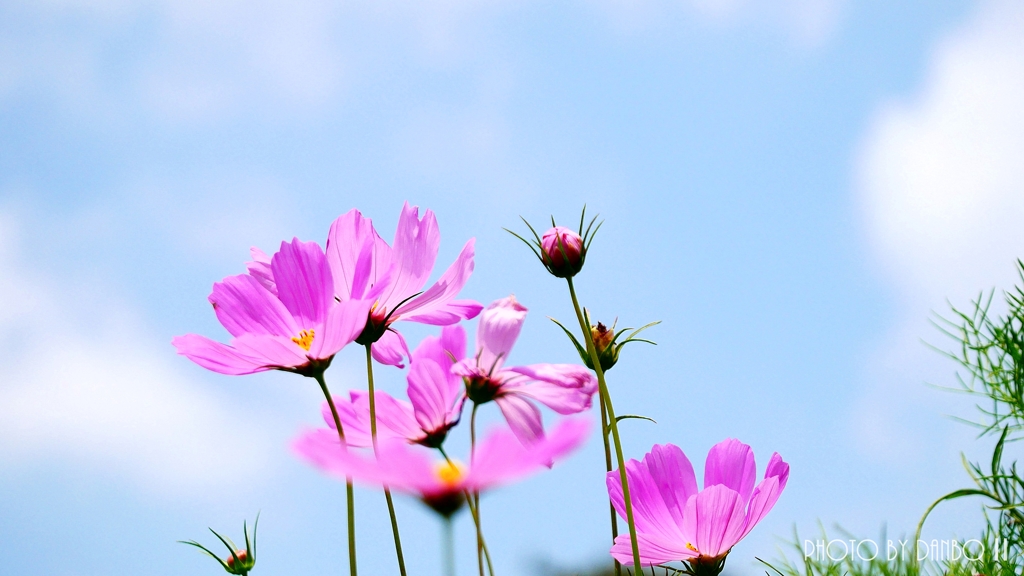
(790, 187)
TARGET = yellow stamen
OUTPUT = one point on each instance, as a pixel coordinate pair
(305, 339)
(451, 473)
(692, 547)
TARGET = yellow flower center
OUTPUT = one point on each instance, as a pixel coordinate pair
(451, 473)
(692, 547)
(304, 339)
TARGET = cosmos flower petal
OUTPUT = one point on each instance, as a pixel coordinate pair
(436, 305)
(396, 465)
(345, 240)
(523, 418)
(216, 356)
(259, 268)
(672, 474)
(304, 282)
(274, 351)
(432, 396)
(355, 422)
(565, 388)
(767, 493)
(714, 520)
(244, 306)
(501, 458)
(413, 254)
(344, 323)
(391, 349)
(653, 551)
(497, 331)
(731, 463)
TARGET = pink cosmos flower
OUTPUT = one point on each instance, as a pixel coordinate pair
(498, 459)
(675, 521)
(392, 277)
(435, 398)
(298, 326)
(565, 388)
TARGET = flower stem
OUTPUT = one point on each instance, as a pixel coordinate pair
(475, 496)
(606, 400)
(349, 496)
(373, 436)
(449, 547)
(476, 519)
(608, 467)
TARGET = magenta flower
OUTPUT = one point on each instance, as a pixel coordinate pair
(562, 250)
(675, 521)
(298, 326)
(435, 394)
(392, 278)
(498, 459)
(565, 388)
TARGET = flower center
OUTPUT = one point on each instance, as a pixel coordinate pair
(449, 472)
(304, 339)
(481, 388)
(692, 547)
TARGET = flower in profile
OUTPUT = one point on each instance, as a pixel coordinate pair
(240, 562)
(392, 277)
(499, 459)
(435, 398)
(298, 326)
(561, 250)
(676, 522)
(565, 388)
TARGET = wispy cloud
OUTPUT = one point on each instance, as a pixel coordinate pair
(941, 183)
(181, 61)
(82, 380)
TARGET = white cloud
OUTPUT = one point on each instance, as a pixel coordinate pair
(190, 61)
(941, 182)
(83, 381)
(806, 22)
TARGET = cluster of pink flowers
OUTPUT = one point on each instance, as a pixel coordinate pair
(295, 310)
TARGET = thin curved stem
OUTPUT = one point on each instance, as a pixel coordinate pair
(474, 497)
(606, 400)
(373, 436)
(449, 547)
(608, 468)
(476, 519)
(349, 495)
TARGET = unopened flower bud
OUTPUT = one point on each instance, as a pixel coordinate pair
(562, 252)
(244, 564)
(607, 351)
(238, 562)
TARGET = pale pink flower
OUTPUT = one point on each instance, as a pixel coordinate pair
(565, 388)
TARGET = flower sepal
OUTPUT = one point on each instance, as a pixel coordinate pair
(606, 341)
(561, 250)
(239, 561)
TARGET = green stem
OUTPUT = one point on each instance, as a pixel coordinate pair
(608, 468)
(373, 436)
(475, 496)
(606, 400)
(476, 519)
(449, 547)
(349, 495)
